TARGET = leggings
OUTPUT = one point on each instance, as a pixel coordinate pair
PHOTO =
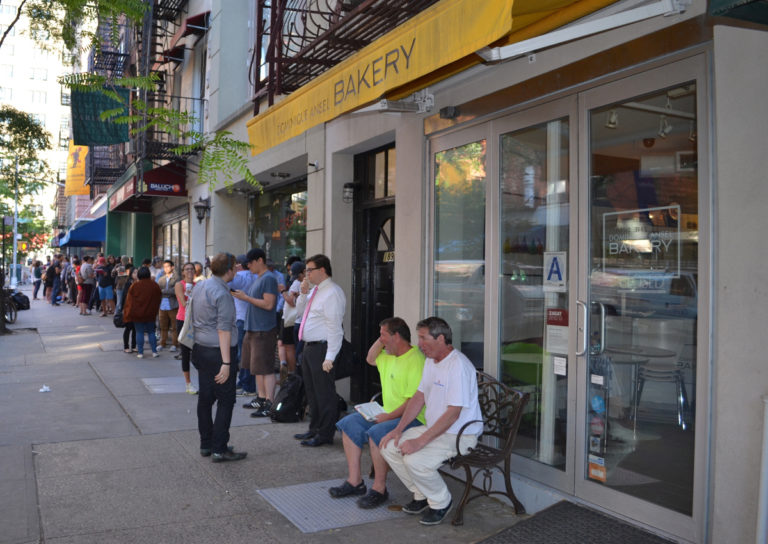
(185, 351)
(129, 331)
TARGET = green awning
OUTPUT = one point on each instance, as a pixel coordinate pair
(87, 126)
(755, 11)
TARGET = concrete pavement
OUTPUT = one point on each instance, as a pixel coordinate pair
(103, 458)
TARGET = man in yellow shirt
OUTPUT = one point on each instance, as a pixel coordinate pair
(400, 366)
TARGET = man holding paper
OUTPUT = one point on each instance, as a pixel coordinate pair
(400, 366)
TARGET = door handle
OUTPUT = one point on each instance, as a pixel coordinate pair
(602, 326)
(584, 340)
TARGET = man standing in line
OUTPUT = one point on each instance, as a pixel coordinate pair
(215, 352)
(260, 339)
(168, 307)
(246, 383)
(322, 332)
(400, 366)
(448, 389)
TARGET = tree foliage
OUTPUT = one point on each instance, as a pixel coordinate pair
(22, 138)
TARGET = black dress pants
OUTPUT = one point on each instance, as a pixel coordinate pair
(214, 433)
(320, 387)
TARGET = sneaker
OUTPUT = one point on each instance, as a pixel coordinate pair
(415, 507)
(255, 404)
(346, 489)
(155, 354)
(172, 349)
(191, 389)
(228, 456)
(263, 410)
(159, 348)
(140, 356)
(373, 499)
(435, 517)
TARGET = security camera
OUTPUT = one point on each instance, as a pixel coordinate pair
(314, 164)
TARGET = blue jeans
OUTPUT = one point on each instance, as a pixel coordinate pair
(245, 379)
(149, 328)
(55, 291)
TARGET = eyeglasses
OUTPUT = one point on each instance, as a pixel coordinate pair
(308, 269)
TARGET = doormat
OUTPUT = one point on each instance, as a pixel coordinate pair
(566, 522)
(311, 509)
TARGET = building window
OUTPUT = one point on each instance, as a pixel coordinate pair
(8, 9)
(4, 28)
(172, 241)
(277, 222)
(39, 74)
(6, 94)
(379, 173)
(39, 118)
(6, 70)
(38, 97)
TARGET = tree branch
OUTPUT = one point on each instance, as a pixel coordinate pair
(13, 23)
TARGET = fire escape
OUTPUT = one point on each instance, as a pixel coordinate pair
(301, 39)
(105, 163)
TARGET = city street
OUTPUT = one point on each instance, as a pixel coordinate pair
(110, 454)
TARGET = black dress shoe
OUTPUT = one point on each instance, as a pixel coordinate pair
(316, 441)
(206, 452)
(304, 436)
(228, 456)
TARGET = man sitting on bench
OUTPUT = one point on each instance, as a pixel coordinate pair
(400, 365)
(448, 389)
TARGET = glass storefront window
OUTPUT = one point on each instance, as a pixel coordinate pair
(533, 329)
(172, 241)
(459, 276)
(277, 222)
(643, 297)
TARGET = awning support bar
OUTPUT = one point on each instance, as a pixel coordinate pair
(609, 22)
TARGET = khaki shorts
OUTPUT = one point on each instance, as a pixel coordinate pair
(258, 354)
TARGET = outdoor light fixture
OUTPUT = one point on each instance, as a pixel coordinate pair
(202, 208)
(613, 119)
(348, 195)
(665, 127)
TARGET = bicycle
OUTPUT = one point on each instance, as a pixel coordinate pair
(9, 305)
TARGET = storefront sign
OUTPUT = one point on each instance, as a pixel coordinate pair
(446, 32)
(597, 468)
(643, 239)
(388, 257)
(127, 190)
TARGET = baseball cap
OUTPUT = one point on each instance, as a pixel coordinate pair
(297, 268)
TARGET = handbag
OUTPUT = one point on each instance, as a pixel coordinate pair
(345, 364)
(187, 333)
(117, 320)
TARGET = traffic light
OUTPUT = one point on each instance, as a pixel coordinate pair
(23, 246)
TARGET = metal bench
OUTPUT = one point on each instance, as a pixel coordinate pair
(502, 409)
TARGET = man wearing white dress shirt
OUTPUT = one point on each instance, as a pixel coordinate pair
(322, 308)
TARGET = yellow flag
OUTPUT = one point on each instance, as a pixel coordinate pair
(75, 183)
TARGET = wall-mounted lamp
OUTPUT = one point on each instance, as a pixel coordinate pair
(449, 112)
(665, 127)
(314, 164)
(612, 120)
(202, 208)
(348, 195)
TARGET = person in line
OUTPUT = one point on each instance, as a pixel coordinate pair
(74, 288)
(56, 288)
(121, 274)
(400, 366)
(260, 340)
(199, 272)
(280, 279)
(106, 283)
(129, 331)
(290, 313)
(156, 268)
(50, 274)
(65, 267)
(215, 353)
(169, 307)
(183, 290)
(246, 382)
(322, 309)
(448, 390)
(37, 277)
(141, 306)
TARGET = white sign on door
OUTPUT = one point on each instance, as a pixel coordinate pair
(556, 271)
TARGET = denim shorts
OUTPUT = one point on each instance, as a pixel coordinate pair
(358, 429)
(105, 293)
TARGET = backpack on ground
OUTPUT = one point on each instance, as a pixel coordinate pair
(290, 403)
(21, 300)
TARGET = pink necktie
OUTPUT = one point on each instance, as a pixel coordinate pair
(306, 313)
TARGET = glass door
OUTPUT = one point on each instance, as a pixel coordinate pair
(537, 229)
(639, 312)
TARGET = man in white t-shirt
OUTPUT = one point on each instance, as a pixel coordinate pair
(448, 389)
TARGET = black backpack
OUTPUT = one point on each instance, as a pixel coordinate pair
(21, 300)
(290, 403)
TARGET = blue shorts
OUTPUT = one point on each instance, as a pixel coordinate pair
(105, 293)
(359, 430)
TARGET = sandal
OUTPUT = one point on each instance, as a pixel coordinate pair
(126, 350)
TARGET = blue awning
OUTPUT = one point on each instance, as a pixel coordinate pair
(91, 234)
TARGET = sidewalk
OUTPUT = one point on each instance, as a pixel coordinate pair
(107, 456)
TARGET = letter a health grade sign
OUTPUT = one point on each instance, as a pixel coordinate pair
(555, 271)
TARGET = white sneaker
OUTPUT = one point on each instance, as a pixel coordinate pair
(191, 389)
(140, 356)
(172, 349)
(155, 355)
(159, 348)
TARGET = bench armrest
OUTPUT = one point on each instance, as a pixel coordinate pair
(461, 432)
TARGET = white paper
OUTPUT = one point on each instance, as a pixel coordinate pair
(560, 366)
(597, 379)
(557, 339)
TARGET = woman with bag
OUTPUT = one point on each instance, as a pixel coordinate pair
(129, 331)
(141, 306)
(183, 289)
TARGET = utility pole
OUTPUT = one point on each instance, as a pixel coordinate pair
(15, 221)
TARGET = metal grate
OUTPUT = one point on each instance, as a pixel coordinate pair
(311, 509)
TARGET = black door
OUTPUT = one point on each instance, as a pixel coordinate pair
(374, 266)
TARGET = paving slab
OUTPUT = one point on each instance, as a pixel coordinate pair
(18, 496)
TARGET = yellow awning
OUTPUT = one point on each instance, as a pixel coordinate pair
(430, 46)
